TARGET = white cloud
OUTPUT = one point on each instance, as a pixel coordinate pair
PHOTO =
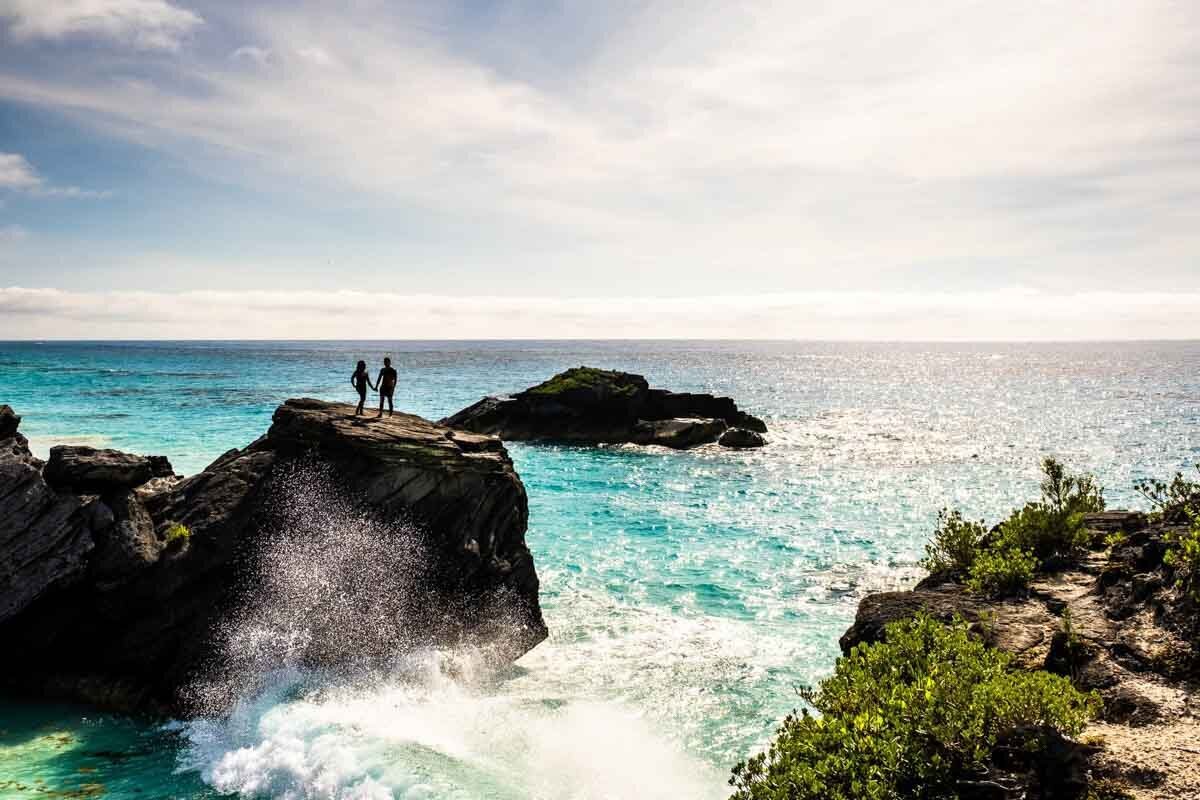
(786, 144)
(12, 233)
(1015, 314)
(18, 174)
(73, 192)
(142, 24)
(251, 54)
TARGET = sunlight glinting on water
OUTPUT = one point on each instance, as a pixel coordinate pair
(687, 594)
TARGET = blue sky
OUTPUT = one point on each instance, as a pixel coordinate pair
(799, 169)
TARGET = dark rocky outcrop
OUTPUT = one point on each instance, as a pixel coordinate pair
(86, 469)
(9, 421)
(45, 535)
(112, 591)
(1115, 623)
(678, 434)
(596, 406)
(741, 439)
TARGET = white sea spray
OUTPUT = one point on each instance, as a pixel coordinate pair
(320, 689)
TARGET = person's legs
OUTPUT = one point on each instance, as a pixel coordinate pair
(389, 404)
(362, 398)
(382, 395)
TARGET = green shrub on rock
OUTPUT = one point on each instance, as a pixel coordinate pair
(1003, 561)
(1001, 571)
(1183, 556)
(955, 543)
(1053, 526)
(908, 717)
(1174, 501)
(1068, 494)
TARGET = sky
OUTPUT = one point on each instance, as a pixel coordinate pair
(575, 169)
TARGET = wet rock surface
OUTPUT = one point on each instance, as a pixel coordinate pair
(115, 574)
(595, 406)
(741, 439)
(678, 434)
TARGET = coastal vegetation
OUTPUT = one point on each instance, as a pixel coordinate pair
(955, 543)
(1183, 555)
(1041, 535)
(1174, 500)
(1178, 501)
(1001, 571)
(971, 686)
(915, 716)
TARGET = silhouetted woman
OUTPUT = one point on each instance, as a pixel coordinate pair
(360, 380)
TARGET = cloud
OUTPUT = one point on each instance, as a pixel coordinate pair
(73, 192)
(251, 54)
(12, 233)
(142, 24)
(1014, 314)
(784, 144)
(18, 174)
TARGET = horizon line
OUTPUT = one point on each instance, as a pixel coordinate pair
(768, 340)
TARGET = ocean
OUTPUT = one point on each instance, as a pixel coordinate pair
(688, 594)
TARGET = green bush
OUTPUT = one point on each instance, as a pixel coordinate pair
(1053, 526)
(907, 717)
(1004, 561)
(177, 535)
(1174, 501)
(1069, 494)
(955, 543)
(1074, 650)
(1183, 556)
(1001, 571)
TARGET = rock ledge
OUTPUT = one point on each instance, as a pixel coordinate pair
(104, 606)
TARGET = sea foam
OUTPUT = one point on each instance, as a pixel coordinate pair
(316, 691)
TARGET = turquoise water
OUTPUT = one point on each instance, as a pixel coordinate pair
(687, 593)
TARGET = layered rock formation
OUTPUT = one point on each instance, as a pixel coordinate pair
(595, 406)
(114, 575)
(1115, 623)
(45, 536)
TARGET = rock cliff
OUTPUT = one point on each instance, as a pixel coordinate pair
(115, 575)
(1114, 622)
(596, 406)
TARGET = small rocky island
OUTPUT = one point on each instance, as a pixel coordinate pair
(595, 406)
(115, 573)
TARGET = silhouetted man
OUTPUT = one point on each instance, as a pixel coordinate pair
(387, 385)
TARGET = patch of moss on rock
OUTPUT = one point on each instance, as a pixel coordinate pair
(590, 379)
(177, 535)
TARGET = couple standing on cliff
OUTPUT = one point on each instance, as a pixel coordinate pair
(385, 384)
